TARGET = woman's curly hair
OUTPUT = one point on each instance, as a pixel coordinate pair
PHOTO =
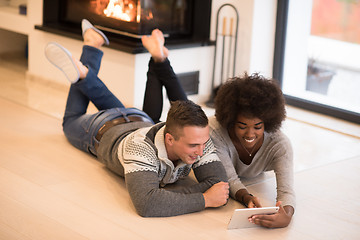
(250, 96)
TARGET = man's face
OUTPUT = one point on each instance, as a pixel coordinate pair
(189, 145)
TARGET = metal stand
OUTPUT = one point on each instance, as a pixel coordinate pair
(228, 54)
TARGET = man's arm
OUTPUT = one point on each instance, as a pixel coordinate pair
(152, 201)
(208, 175)
(212, 177)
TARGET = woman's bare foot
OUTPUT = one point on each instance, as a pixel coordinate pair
(155, 45)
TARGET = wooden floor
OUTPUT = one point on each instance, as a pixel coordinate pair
(50, 190)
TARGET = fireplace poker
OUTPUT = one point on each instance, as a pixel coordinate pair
(233, 38)
(223, 50)
(230, 46)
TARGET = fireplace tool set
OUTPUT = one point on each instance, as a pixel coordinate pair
(225, 50)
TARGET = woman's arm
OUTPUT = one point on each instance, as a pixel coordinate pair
(282, 164)
(247, 199)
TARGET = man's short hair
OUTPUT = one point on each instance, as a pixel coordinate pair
(184, 113)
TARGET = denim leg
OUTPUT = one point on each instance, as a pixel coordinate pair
(76, 104)
(79, 127)
(81, 130)
(91, 88)
(91, 58)
(97, 92)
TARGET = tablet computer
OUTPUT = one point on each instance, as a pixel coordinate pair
(240, 217)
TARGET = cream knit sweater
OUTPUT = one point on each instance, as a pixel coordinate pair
(275, 154)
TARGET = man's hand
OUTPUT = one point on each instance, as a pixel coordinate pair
(217, 195)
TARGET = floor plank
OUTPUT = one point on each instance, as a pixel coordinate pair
(19, 221)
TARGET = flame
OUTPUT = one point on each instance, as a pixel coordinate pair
(122, 9)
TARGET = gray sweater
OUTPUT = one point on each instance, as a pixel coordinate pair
(137, 152)
(275, 154)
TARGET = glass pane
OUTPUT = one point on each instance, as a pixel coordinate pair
(322, 55)
(134, 16)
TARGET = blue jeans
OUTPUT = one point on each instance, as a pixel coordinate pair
(79, 127)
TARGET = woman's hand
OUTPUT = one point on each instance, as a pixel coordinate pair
(244, 197)
(278, 220)
(251, 201)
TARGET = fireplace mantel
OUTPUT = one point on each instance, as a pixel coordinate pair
(121, 43)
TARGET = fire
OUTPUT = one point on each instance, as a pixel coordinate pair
(124, 10)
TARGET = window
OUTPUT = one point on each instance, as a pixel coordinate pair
(317, 55)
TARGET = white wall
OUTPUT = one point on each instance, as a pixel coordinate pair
(256, 34)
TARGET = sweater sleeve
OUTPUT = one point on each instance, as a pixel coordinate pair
(282, 165)
(208, 169)
(206, 175)
(152, 201)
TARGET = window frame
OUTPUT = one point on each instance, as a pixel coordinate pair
(278, 68)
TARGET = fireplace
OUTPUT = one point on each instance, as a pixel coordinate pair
(183, 22)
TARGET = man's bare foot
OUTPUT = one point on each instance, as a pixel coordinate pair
(155, 45)
(61, 58)
(93, 38)
(83, 70)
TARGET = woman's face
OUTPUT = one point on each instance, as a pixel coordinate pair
(249, 131)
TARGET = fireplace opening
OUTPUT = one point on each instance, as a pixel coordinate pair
(183, 22)
(132, 17)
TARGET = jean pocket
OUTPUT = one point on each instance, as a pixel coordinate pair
(89, 120)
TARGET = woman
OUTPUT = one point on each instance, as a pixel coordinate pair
(249, 111)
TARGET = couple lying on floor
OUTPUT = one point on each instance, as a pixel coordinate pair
(242, 140)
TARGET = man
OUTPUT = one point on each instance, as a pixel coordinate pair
(148, 156)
